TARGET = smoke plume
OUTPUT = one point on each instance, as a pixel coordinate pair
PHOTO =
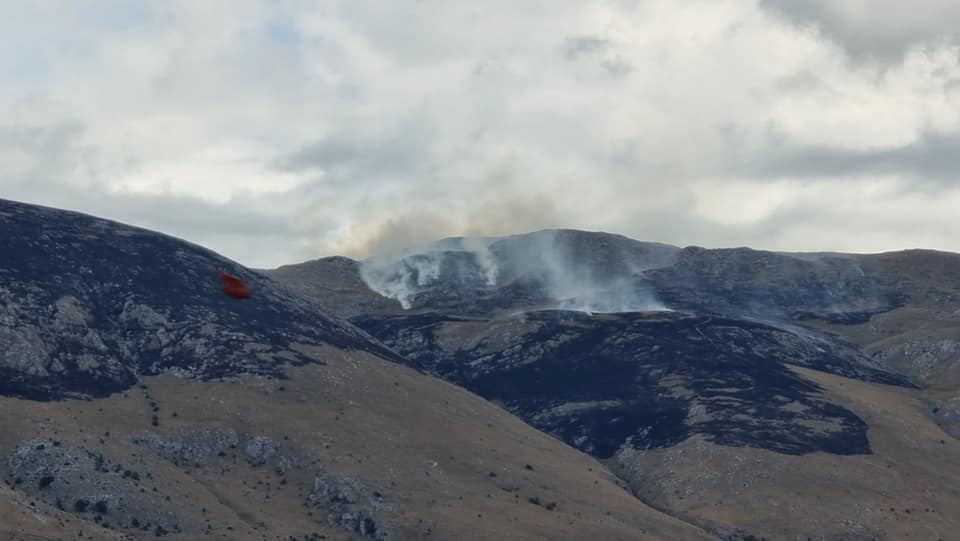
(551, 269)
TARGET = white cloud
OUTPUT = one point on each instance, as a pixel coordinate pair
(349, 126)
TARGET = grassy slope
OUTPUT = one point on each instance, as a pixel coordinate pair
(908, 489)
(921, 338)
(428, 446)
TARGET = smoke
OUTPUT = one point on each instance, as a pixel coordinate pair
(401, 279)
(417, 226)
(589, 272)
(464, 263)
(551, 269)
(480, 248)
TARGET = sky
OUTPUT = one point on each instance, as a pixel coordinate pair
(280, 131)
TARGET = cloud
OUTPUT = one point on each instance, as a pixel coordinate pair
(280, 131)
(54, 165)
(881, 31)
(932, 158)
(360, 154)
(576, 47)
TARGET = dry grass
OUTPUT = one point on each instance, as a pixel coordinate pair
(428, 446)
(908, 338)
(908, 489)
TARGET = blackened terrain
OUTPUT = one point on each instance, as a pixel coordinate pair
(87, 305)
(644, 380)
(785, 287)
(489, 314)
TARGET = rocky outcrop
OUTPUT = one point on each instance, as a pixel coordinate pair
(946, 412)
(926, 359)
(202, 446)
(348, 503)
(94, 487)
(344, 501)
(194, 448)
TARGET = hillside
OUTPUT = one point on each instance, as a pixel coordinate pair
(138, 401)
(713, 382)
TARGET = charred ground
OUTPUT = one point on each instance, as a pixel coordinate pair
(642, 380)
(88, 305)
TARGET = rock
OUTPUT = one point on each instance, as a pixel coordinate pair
(946, 412)
(190, 447)
(94, 487)
(260, 449)
(350, 505)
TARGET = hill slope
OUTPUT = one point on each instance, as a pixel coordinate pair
(138, 401)
(87, 305)
(718, 410)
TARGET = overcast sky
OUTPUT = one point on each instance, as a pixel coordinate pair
(280, 131)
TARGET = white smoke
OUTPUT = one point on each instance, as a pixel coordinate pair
(481, 248)
(403, 275)
(403, 278)
(608, 278)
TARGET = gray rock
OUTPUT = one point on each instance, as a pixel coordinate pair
(260, 449)
(350, 504)
(946, 412)
(190, 447)
(94, 487)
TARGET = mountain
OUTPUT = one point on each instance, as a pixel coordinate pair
(335, 284)
(791, 396)
(138, 401)
(87, 305)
